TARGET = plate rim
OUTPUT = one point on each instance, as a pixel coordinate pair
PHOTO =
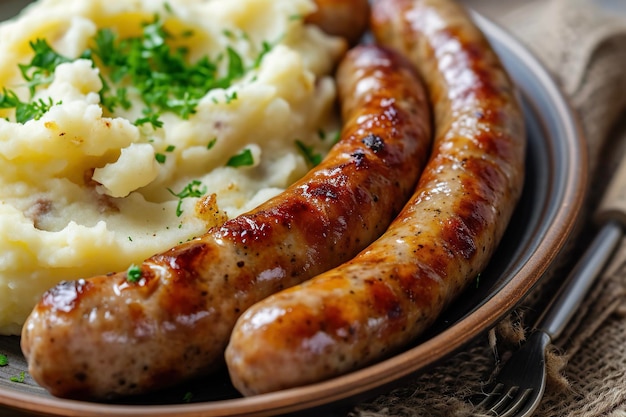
(419, 357)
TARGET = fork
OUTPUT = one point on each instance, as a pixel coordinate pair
(520, 384)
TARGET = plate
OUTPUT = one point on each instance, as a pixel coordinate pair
(552, 197)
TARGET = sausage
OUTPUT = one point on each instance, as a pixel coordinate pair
(378, 302)
(109, 336)
(348, 19)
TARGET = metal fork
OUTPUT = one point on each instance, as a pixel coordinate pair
(520, 384)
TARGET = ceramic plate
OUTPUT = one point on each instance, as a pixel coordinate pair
(555, 186)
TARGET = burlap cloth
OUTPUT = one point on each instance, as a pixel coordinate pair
(583, 44)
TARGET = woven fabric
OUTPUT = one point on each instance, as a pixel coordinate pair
(583, 45)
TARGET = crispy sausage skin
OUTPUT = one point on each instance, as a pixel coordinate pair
(348, 19)
(105, 336)
(387, 295)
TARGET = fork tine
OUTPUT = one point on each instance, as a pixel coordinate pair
(517, 402)
(490, 397)
(504, 401)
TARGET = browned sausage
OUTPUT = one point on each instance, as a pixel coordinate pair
(348, 19)
(105, 336)
(387, 295)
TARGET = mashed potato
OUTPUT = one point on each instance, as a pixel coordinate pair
(99, 170)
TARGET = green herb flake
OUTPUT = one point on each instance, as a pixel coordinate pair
(170, 148)
(311, 157)
(152, 119)
(133, 273)
(187, 397)
(40, 70)
(211, 143)
(160, 158)
(229, 34)
(242, 159)
(19, 378)
(24, 111)
(162, 75)
(4, 361)
(266, 47)
(230, 97)
(193, 189)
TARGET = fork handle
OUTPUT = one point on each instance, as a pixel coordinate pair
(564, 304)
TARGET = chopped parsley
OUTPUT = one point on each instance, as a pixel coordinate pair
(148, 66)
(24, 111)
(133, 273)
(19, 378)
(211, 143)
(242, 159)
(311, 157)
(4, 361)
(230, 97)
(265, 48)
(160, 158)
(193, 189)
(41, 68)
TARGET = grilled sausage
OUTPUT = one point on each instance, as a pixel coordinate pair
(387, 295)
(108, 336)
(348, 19)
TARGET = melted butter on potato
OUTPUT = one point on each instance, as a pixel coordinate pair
(85, 189)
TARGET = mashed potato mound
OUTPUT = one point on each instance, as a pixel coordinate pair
(87, 187)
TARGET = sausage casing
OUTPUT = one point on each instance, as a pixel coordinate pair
(387, 295)
(106, 336)
(348, 19)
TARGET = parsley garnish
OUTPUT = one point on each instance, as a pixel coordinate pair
(4, 361)
(24, 111)
(193, 189)
(40, 70)
(311, 157)
(211, 143)
(242, 159)
(231, 97)
(152, 119)
(133, 273)
(146, 65)
(160, 73)
(161, 158)
(19, 378)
